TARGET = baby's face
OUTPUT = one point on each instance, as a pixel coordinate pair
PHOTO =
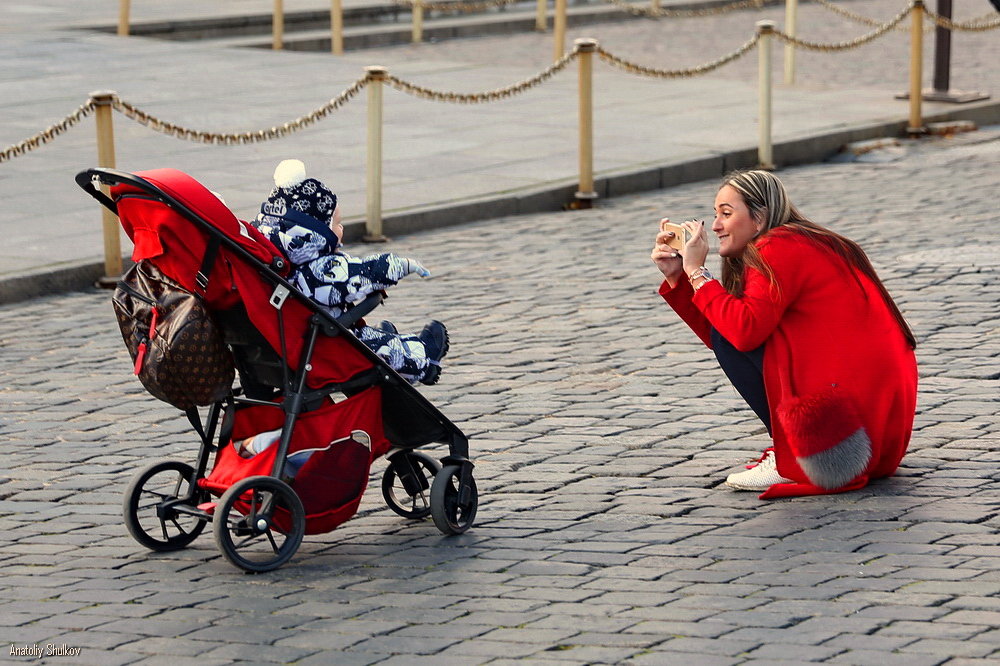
(335, 225)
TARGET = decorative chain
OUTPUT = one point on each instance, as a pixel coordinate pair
(276, 132)
(49, 133)
(641, 70)
(658, 12)
(843, 46)
(467, 7)
(985, 22)
(978, 24)
(854, 16)
(489, 96)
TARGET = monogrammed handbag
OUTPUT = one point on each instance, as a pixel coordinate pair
(177, 351)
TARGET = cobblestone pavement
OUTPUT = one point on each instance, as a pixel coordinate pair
(601, 431)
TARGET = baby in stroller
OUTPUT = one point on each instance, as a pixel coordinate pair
(301, 217)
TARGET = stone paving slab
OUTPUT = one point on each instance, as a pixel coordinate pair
(604, 534)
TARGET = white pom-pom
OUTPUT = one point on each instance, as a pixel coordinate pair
(289, 173)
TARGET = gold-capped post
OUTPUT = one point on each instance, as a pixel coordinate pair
(103, 108)
(791, 14)
(124, 9)
(337, 27)
(765, 152)
(916, 124)
(585, 49)
(376, 76)
(541, 20)
(278, 25)
(559, 30)
(417, 34)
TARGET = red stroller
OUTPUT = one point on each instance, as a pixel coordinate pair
(302, 375)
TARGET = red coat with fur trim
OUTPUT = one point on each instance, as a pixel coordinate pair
(821, 329)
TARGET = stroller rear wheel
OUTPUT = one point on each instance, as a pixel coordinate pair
(154, 503)
(405, 484)
(259, 523)
(453, 506)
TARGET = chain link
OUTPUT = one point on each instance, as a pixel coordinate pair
(660, 12)
(159, 125)
(843, 46)
(49, 133)
(642, 70)
(488, 96)
(466, 7)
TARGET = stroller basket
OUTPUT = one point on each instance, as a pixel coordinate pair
(317, 402)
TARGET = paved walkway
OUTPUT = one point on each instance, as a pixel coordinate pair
(443, 162)
(601, 431)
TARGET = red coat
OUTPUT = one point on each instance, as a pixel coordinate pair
(820, 329)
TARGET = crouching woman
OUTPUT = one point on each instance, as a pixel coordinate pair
(806, 332)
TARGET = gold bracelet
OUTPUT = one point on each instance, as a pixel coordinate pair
(703, 283)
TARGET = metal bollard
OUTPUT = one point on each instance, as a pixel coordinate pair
(418, 22)
(559, 30)
(585, 49)
(337, 27)
(791, 13)
(941, 91)
(278, 25)
(106, 159)
(541, 21)
(916, 124)
(765, 152)
(124, 8)
(373, 211)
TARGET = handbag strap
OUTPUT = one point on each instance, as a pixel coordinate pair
(211, 250)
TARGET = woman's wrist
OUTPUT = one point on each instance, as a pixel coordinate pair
(699, 276)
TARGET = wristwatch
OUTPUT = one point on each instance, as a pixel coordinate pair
(702, 272)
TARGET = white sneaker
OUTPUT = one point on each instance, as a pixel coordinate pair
(760, 477)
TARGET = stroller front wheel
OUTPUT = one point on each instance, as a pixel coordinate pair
(405, 484)
(154, 506)
(259, 523)
(453, 506)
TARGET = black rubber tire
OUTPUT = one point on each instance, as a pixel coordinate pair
(250, 541)
(394, 492)
(161, 533)
(449, 516)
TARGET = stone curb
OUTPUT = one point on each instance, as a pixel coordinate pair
(552, 197)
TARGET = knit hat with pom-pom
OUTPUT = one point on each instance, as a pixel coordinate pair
(294, 195)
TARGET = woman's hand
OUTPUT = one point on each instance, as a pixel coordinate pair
(696, 248)
(666, 258)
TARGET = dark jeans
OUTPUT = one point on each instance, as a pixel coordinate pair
(745, 371)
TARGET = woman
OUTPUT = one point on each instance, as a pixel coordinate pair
(807, 333)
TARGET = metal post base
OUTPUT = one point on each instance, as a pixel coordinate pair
(949, 96)
(582, 201)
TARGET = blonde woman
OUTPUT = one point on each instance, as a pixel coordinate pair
(807, 334)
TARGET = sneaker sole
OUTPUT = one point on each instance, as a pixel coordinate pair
(740, 486)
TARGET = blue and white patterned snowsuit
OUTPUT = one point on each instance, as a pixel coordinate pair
(335, 280)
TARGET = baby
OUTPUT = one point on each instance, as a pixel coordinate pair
(301, 217)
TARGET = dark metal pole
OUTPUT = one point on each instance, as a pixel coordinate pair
(942, 49)
(941, 91)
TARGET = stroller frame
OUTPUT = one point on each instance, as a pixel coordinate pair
(413, 420)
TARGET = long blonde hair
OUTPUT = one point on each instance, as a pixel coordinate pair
(766, 199)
